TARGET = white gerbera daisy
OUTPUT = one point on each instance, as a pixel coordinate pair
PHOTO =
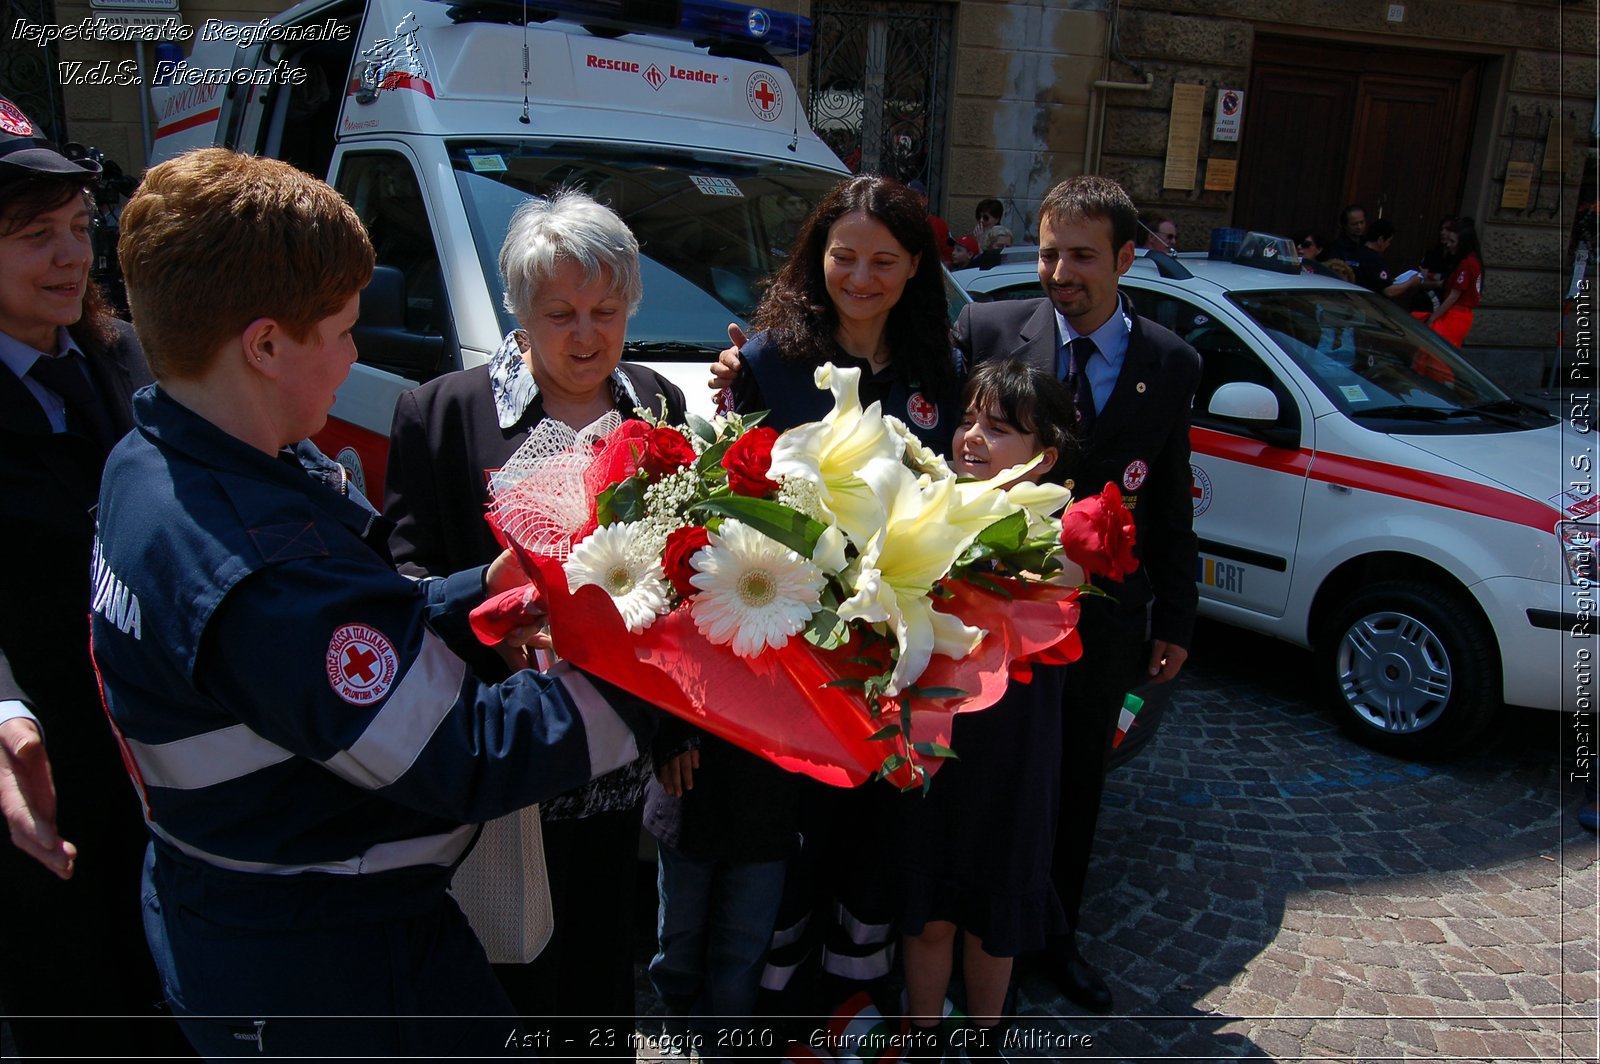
(637, 586)
(754, 591)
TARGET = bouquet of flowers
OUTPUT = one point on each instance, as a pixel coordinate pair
(827, 598)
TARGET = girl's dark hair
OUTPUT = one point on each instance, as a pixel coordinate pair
(1029, 398)
(803, 320)
(26, 199)
(1466, 238)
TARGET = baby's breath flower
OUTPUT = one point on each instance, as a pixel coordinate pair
(803, 496)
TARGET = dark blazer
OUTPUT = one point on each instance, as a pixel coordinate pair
(445, 440)
(49, 485)
(1140, 442)
(83, 938)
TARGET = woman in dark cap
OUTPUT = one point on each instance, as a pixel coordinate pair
(68, 368)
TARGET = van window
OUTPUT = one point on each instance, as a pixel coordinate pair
(405, 315)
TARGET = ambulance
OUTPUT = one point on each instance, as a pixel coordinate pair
(1360, 489)
(435, 120)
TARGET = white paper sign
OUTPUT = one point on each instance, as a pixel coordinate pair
(1229, 114)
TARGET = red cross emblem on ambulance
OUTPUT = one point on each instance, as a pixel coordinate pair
(764, 95)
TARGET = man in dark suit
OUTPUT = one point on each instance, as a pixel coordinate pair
(75, 943)
(1134, 382)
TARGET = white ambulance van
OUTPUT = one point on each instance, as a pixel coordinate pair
(436, 119)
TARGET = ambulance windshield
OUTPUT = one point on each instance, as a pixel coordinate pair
(710, 227)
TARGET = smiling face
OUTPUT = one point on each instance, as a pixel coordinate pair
(986, 443)
(44, 272)
(313, 368)
(575, 333)
(865, 269)
(1079, 268)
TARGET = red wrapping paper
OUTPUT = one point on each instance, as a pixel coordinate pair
(776, 705)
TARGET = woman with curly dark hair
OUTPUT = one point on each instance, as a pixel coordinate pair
(862, 288)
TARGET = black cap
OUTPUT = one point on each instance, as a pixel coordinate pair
(23, 154)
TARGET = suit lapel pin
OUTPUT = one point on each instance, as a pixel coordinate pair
(1139, 387)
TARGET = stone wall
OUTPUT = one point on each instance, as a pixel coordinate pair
(1019, 104)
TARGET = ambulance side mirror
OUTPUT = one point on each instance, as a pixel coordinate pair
(1255, 409)
(1244, 401)
(385, 339)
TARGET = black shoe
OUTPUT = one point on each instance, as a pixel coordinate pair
(1080, 983)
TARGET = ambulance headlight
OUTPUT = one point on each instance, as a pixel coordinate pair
(1578, 544)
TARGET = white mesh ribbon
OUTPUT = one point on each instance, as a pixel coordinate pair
(538, 498)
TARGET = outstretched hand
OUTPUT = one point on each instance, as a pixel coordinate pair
(28, 797)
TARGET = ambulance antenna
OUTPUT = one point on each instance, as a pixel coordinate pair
(794, 142)
(524, 119)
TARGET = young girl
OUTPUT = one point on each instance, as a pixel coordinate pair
(980, 841)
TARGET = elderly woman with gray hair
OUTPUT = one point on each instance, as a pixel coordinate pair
(570, 268)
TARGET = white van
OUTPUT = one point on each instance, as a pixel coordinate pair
(435, 120)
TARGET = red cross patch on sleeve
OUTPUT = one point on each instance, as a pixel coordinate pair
(362, 664)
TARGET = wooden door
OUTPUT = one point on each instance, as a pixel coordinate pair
(1327, 125)
(1295, 151)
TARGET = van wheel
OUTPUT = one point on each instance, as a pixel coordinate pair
(1411, 669)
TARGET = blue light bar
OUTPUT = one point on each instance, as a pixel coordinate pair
(715, 22)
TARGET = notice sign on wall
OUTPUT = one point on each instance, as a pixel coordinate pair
(1230, 113)
(1221, 174)
(1183, 135)
(1519, 183)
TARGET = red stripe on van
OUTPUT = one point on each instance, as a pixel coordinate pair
(396, 80)
(1384, 479)
(198, 119)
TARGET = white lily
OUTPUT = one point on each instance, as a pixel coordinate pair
(892, 580)
(830, 452)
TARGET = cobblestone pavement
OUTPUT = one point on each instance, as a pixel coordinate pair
(1264, 888)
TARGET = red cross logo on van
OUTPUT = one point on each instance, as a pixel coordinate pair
(764, 96)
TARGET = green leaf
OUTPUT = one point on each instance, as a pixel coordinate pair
(772, 519)
(889, 732)
(934, 750)
(709, 464)
(937, 692)
(826, 630)
(1007, 534)
(699, 426)
(890, 763)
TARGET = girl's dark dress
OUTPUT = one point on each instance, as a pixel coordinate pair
(978, 844)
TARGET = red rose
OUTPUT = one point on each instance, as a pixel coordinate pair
(681, 546)
(1098, 534)
(666, 451)
(748, 460)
